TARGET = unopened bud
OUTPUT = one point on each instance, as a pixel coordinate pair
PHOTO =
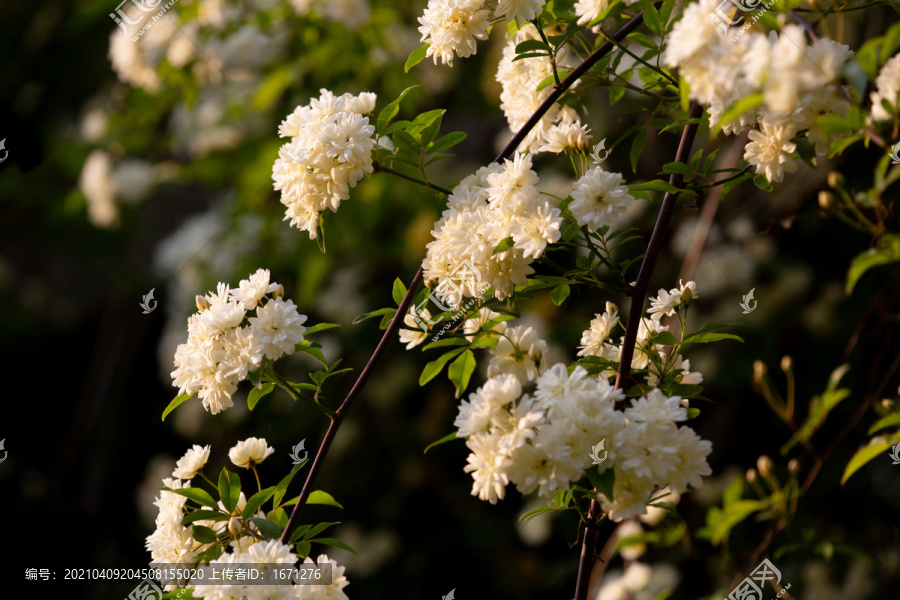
(577, 140)
(611, 308)
(887, 404)
(836, 180)
(787, 363)
(686, 296)
(685, 403)
(202, 303)
(826, 199)
(234, 526)
(793, 466)
(764, 465)
(751, 475)
(759, 371)
(278, 292)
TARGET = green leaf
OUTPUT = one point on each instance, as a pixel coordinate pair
(657, 185)
(447, 141)
(198, 495)
(643, 39)
(888, 251)
(335, 543)
(820, 407)
(257, 500)
(684, 93)
(417, 56)
(319, 327)
(675, 167)
(504, 245)
(737, 109)
(885, 422)
(229, 489)
(298, 533)
(729, 185)
(532, 46)
(447, 342)
(762, 183)
(175, 403)
(862, 456)
(374, 313)
(399, 291)
(685, 390)
(406, 141)
(665, 338)
(204, 515)
(314, 352)
(603, 482)
(461, 370)
(319, 529)
(537, 511)
(204, 535)
(637, 148)
(320, 497)
(302, 549)
(559, 294)
(733, 514)
(282, 486)
(447, 438)
(434, 368)
(257, 393)
(665, 11)
(651, 18)
(267, 527)
(703, 338)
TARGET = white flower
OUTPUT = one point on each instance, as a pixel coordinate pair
(667, 302)
(564, 137)
(686, 376)
(99, 189)
(519, 10)
(630, 495)
(192, 462)
(656, 407)
(250, 452)
(694, 34)
(487, 406)
(450, 27)
(769, 151)
(887, 88)
(488, 464)
(475, 324)
(334, 591)
(588, 10)
(414, 336)
(250, 291)
(594, 339)
(599, 199)
(691, 462)
(519, 352)
(280, 326)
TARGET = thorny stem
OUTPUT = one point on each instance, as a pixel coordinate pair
(379, 168)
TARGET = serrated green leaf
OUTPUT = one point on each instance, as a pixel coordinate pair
(737, 109)
(204, 535)
(885, 422)
(532, 46)
(637, 148)
(323, 498)
(888, 251)
(320, 528)
(335, 543)
(417, 56)
(298, 533)
(399, 291)
(651, 18)
(267, 527)
(229, 489)
(863, 456)
(657, 185)
(257, 500)
(460, 371)
(204, 515)
(446, 342)
(175, 403)
(559, 294)
(664, 338)
(198, 495)
(446, 142)
(374, 313)
(504, 245)
(319, 327)
(257, 393)
(706, 337)
(762, 183)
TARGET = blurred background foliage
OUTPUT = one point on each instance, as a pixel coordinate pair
(111, 189)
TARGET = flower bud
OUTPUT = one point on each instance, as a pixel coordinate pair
(764, 465)
(826, 199)
(278, 292)
(751, 475)
(787, 363)
(793, 466)
(836, 180)
(202, 303)
(759, 371)
(234, 526)
(611, 308)
(685, 403)
(887, 404)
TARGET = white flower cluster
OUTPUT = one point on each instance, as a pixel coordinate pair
(887, 89)
(451, 27)
(795, 78)
(221, 350)
(329, 152)
(599, 199)
(519, 98)
(597, 340)
(542, 441)
(497, 202)
(172, 542)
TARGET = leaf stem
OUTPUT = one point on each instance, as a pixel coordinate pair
(379, 168)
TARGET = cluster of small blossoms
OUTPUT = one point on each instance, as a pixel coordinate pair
(542, 441)
(887, 89)
(797, 81)
(497, 202)
(597, 340)
(451, 27)
(173, 543)
(329, 152)
(221, 349)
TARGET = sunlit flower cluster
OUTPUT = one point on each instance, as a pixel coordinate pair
(795, 78)
(543, 441)
(496, 203)
(329, 152)
(225, 344)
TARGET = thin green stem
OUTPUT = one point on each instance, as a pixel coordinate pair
(379, 168)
